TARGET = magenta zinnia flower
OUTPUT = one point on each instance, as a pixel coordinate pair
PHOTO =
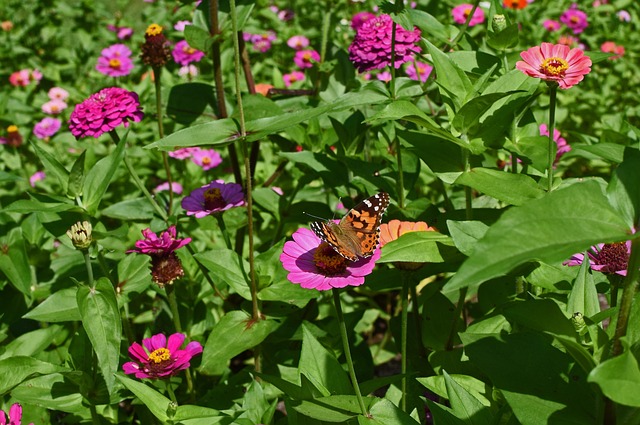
(314, 264)
(371, 47)
(421, 74)
(184, 54)
(162, 358)
(575, 19)
(292, 77)
(306, 58)
(298, 42)
(461, 12)
(551, 25)
(104, 111)
(609, 258)
(115, 61)
(555, 62)
(15, 415)
(206, 158)
(360, 18)
(47, 127)
(214, 197)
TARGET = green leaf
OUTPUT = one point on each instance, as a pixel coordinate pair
(99, 177)
(384, 412)
(233, 334)
(608, 151)
(51, 165)
(197, 415)
(416, 247)
(101, 320)
(443, 415)
(619, 379)
(429, 24)
(465, 234)
(464, 405)
(467, 120)
(31, 343)
(198, 38)
(453, 82)
(504, 39)
(441, 156)
(76, 177)
(153, 400)
(332, 408)
(15, 264)
(548, 229)
(188, 101)
(131, 209)
(473, 386)
(224, 266)
(584, 296)
(540, 314)
(515, 189)
(15, 370)
(624, 190)
(53, 391)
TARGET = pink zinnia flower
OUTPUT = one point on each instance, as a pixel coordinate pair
(15, 415)
(163, 187)
(215, 197)
(298, 42)
(54, 107)
(569, 40)
(183, 153)
(286, 15)
(35, 177)
(123, 33)
(624, 16)
(305, 58)
(384, 76)
(189, 71)
(179, 26)
(292, 77)
(421, 74)
(314, 264)
(551, 25)
(58, 93)
(555, 62)
(574, 19)
(610, 258)
(262, 46)
(161, 358)
(115, 61)
(563, 146)
(360, 18)
(104, 111)
(47, 127)
(24, 77)
(611, 47)
(206, 158)
(267, 36)
(461, 13)
(184, 54)
(371, 47)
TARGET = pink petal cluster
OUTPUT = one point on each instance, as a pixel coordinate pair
(261, 42)
(153, 244)
(551, 25)
(206, 158)
(184, 54)
(15, 415)
(104, 111)
(298, 42)
(183, 153)
(421, 74)
(360, 18)
(160, 358)
(371, 47)
(123, 33)
(575, 19)
(461, 12)
(214, 197)
(54, 107)
(47, 127)
(555, 62)
(292, 77)
(115, 61)
(57, 93)
(24, 77)
(179, 26)
(305, 58)
(163, 187)
(563, 146)
(611, 47)
(35, 177)
(610, 258)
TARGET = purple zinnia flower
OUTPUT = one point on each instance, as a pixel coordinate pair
(575, 19)
(47, 127)
(15, 415)
(421, 74)
(306, 58)
(206, 158)
(214, 197)
(115, 61)
(104, 111)
(184, 54)
(609, 258)
(371, 47)
(161, 358)
(54, 107)
(36, 177)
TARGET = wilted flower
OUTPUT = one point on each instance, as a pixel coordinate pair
(80, 235)
(115, 61)
(104, 111)
(54, 107)
(162, 358)
(555, 62)
(360, 18)
(184, 54)
(461, 12)
(610, 258)
(298, 42)
(574, 19)
(206, 158)
(212, 198)
(421, 73)
(47, 127)
(611, 47)
(13, 139)
(15, 415)
(569, 40)
(286, 15)
(292, 77)
(156, 49)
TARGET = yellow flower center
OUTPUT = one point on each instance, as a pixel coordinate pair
(328, 261)
(153, 29)
(293, 78)
(188, 50)
(466, 13)
(114, 63)
(160, 355)
(554, 66)
(206, 160)
(54, 108)
(12, 129)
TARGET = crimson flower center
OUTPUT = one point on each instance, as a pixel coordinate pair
(614, 256)
(213, 199)
(328, 261)
(554, 66)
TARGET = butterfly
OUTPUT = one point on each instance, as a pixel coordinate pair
(358, 232)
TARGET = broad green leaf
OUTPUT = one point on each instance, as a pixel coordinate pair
(24, 206)
(76, 177)
(416, 247)
(442, 415)
(152, 399)
(101, 320)
(514, 189)
(233, 334)
(453, 82)
(197, 415)
(31, 343)
(619, 379)
(465, 234)
(61, 306)
(576, 350)
(17, 369)
(224, 266)
(584, 296)
(478, 389)
(51, 165)
(540, 314)
(332, 408)
(198, 38)
(467, 120)
(54, 391)
(548, 229)
(99, 177)
(608, 151)
(8, 177)
(464, 404)
(504, 39)
(441, 156)
(429, 24)
(15, 264)
(286, 292)
(624, 189)
(188, 102)
(131, 209)
(384, 412)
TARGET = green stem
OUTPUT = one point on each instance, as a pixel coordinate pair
(403, 344)
(223, 229)
(87, 263)
(629, 289)
(172, 395)
(347, 350)
(205, 272)
(157, 72)
(416, 316)
(175, 313)
(464, 28)
(95, 418)
(456, 316)
(553, 89)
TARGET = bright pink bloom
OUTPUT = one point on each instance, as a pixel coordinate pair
(314, 264)
(35, 177)
(422, 73)
(298, 42)
(24, 77)
(551, 25)
(262, 46)
(574, 19)
(161, 358)
(371, 47)
(15, 415)
(183, 153)
(360, 18)
(611, 47)
(54, 107)
(286, 15)
(163, 187)
(555, 62)
(384, 76)
(206, 158)
(563, 146)
(461, 13)
(214, 197)
(58, 93)
(115, 61)
(104, 111)
(268, 36)
(179, 26)
(47, 127)
(610, 258)
(123, 33)
(184, 54)
(154, 245)
(292, 77)
(305, 58)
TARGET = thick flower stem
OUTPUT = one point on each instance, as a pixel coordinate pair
(175, 315)
(223, 229)
(553, 89)
(629, 289)
(403, 344)
(347, 351)
(87, 263)
(157, 72)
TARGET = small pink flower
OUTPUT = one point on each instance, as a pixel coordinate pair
(164, 244)
(569, 40)
(286, 15)
(298, 42)
(421, 74)
(551, 25)
(384, 76)
(360, 18)
(305, 58)
(163, 187)
(183, 153)
(461, 12)
(184, 54)
(555, 62)
(268, 36)
(179, 26)
(20, 78)
(262, 46)
(161, 358)
(563, 146)
(206, 158)
(277, 190)
(115, 61)
(54, 107)
(123, 33)
(58, 93)
(190, 71)
(15, 415)
(215, 197)
(47, 127)
(624, 16)
(611, 47)
(292, 77)
(36, 177)
(574, 19)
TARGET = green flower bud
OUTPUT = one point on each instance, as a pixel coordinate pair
(578, 323)
(80, 235)
(498, 23)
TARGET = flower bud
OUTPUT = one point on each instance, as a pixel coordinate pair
(498, 23)
(156, 50)
(80, 235)
(577, 319)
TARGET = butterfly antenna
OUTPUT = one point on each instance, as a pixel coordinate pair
(313, 216)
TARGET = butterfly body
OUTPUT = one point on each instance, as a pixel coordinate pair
(357, 234)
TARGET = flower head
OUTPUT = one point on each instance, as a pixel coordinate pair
(515, 4)
(54, 107)
(421, 73)
(305, 58)
(156, 49)
(115, 61)
(314, 264)
(286, 15)
(206, 158)
(24, 77)
(36, 177)
(623, 15)
(47, 127)
(551, 25)
(175, 188)
(179, 26)
(212, 198)
(394, 229)
(80, 234)
(384, 76)
(123, 33)
(263, 88)
(609, 258)
(611, 47)
(6, 26)
(298, 42)
(14, 138)
(15, 415)
(371, 47)
(189, 71)
(57, 93)
(574, 19)
(184, 54)
(160, 358)
(563, 146)
(461, 12)
(292, 77)
(360, 18)
(104, 111)
(555, 62)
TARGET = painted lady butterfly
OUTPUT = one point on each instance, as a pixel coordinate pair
(358, 232)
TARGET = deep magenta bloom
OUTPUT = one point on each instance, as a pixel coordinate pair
(360, 18)
(162, 358)
(371, 47)
(461, 12)
(104, 111)
(563, 146)
(551, 25)
(292, 77)
(115, 61)
(421, 74)
(206, 158)
(575, 19)
(214, 197)
(47, 127)
(164, 244)
(305, 58)
(555, 62)
(314, 264)
(609, 258)
(15, 415)
(184, 54)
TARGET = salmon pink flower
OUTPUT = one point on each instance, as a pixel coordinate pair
(611, 47)
(212, 198)
(461, 12)
(115, 61)
(555, 63)
(574, 19)
(15, 415)
(160, 358)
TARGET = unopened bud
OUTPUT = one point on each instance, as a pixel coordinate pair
(498, 23)
(80, 235)
(578, 322)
